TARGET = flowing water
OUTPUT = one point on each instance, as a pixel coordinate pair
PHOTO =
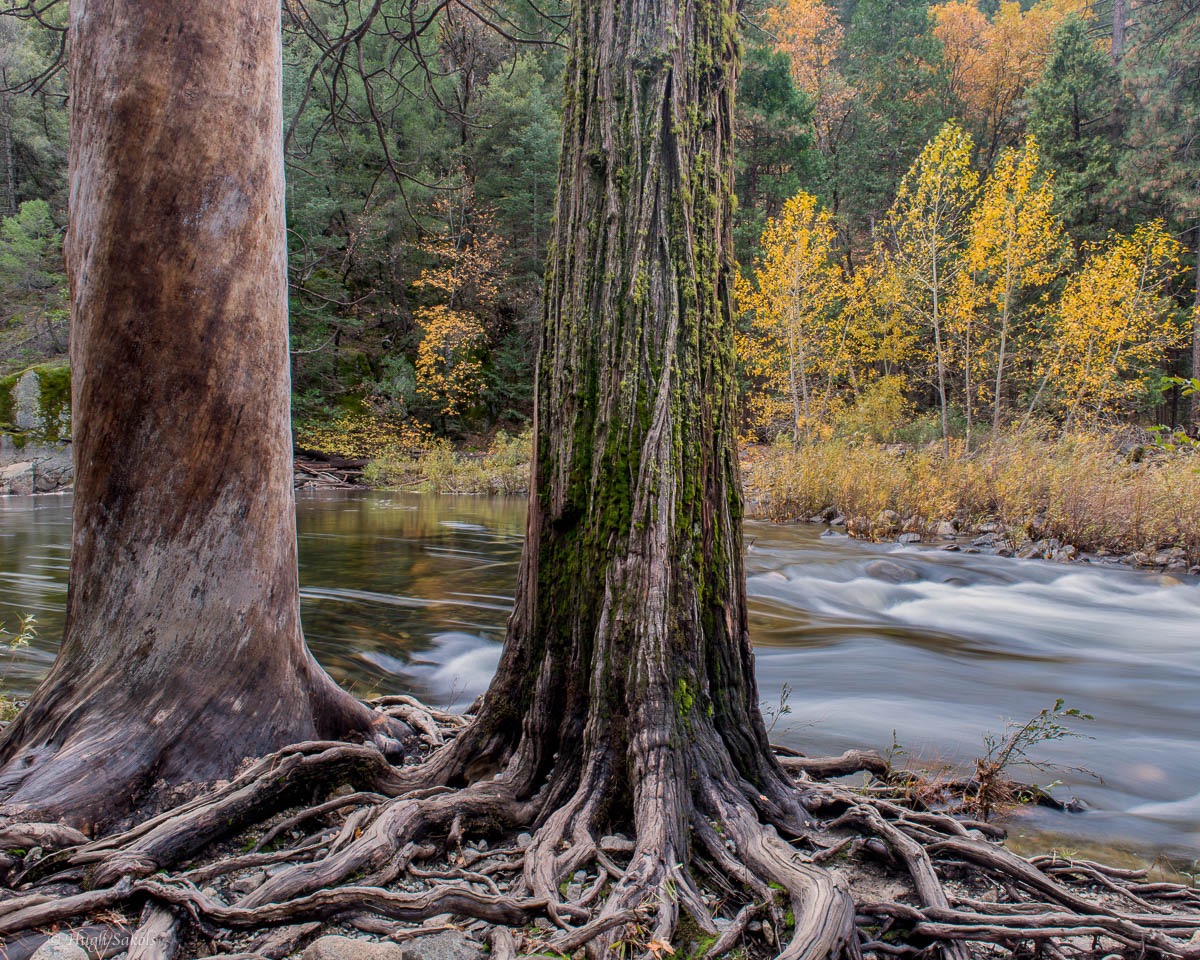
(865, 644)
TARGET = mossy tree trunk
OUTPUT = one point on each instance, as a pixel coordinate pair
(625, 699)
(182, 651)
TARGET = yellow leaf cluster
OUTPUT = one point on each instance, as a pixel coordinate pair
(466, 251)
(969, 290)
(796, 345)
(1116, 318)
(1015, 245)
(364, 436)
(449, 363)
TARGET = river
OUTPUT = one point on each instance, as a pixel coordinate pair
(877, 644)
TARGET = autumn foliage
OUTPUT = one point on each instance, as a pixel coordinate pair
(971, 303)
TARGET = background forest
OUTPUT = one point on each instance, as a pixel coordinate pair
(954, 220)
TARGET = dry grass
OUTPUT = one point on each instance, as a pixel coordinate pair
(1078, 488)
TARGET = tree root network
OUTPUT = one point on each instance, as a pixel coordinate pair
(330, 837)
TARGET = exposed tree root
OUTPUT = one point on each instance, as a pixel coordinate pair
(331, 836)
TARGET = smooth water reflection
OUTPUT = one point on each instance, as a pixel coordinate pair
(407, 593)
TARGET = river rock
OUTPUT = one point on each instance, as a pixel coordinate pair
(909, 538)
(616, 843)
(1165, 557)
(249, 883)
(890, 572)
(946, 530)
(1033, 549)
(348, 948)
(447, 945)
(886, 521)
(60, 947)
(17, 479)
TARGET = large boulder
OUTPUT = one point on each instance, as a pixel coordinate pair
(35, 406)
(35, 430)
(17, 478)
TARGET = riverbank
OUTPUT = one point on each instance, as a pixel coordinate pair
(1078, 496)
(1086, 496)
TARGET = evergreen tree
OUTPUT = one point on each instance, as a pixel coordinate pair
(1071, 111)
(514, 151)
(33, 119)
(895, 64)
(775, 152)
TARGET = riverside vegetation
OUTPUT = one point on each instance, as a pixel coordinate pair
(1036, 492)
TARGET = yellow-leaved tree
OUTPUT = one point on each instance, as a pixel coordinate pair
(466, 256)
(1117, 318)
(1015, 246)
(449, 364)
(924, 238)
(797, 338)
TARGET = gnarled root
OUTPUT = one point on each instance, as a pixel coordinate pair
(870, 876)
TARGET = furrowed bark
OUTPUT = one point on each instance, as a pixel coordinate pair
(626, 694)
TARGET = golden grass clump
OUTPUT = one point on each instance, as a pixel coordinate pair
(1079, 488)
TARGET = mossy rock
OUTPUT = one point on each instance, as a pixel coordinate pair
(35, 405)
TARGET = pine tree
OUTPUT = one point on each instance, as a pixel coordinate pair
(775, 144)
(1071, 109)
(895, 65)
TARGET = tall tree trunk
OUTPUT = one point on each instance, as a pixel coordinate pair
(943, 403)
(182, 652)
(1120, 21)
(996, 400)
(967, 383)
(10, 178)
(625, 698)
(1194, 409)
